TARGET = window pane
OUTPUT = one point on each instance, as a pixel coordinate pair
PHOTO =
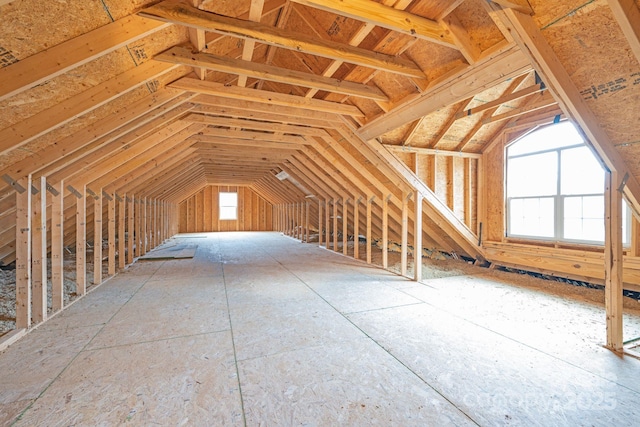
(229, 206)
(534, 175)
(581, 172)
(547, 138)
(228, 199)
(584, 218)
(228, 212)
(532, 217)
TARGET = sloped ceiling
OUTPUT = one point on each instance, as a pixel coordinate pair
(159, 99)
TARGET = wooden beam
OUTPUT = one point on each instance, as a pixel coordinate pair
(387, 17)
(450, 89)
(183, 14)
(628, 16)
(345, 225)
(52, 62)
(528, 36)
(63, 112)
(23, 254)
(184, 56)
(263, 96)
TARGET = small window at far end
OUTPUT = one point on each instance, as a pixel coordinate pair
(229, 206)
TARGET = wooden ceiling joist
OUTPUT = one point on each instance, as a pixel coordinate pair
(386, 17)
(184, 56)
(52, 62)
(252, 124)
(263, 96)
(267, 117)
(183, 14)
(277, 110)
(204, 141)
(252, 135)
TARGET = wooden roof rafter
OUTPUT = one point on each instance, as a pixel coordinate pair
(182, 14)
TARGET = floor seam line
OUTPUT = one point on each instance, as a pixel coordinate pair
(80, 351)
(233, 345)
(378, 344)
(522, 344)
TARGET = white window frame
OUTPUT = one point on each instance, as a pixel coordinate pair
(225, 207)
(558, 200)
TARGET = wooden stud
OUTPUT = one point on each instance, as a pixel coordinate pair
(356, 228)
(130, 231)
(405, 234)
(328, 224)
(97, 238)
(345, 224)
(111, 217)
(121, 231)
(81, 241)
(335, 224)
(306, 220)
(320, 234)
(417, 237)
(613, 262)
(385, 232)
(39, 252)
(23, 255)
(57, 247)
(369, 242)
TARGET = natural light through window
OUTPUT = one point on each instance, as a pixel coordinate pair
(555, 188)
(229, 206)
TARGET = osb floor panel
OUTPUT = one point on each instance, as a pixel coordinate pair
(259, 329)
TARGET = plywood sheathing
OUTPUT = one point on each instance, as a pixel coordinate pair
(608, 90)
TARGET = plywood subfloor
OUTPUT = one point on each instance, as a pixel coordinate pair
(259, 329)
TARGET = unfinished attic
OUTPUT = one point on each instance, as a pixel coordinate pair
(286, 212)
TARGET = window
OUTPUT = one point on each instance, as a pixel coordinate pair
(555, 188)
(229, 206)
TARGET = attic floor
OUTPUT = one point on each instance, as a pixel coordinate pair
(259, 329)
